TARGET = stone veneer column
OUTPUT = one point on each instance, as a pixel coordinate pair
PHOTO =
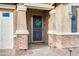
(21, 32)
(51, 28)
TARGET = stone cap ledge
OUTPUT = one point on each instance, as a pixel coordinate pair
(21, 32)
(6, 6)
(66, 33)
(61, 33)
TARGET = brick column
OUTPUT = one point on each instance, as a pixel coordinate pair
(51, 28)
(21, 32)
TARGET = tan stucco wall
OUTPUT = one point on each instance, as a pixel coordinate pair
(58, 19)
(63, 21)
(66, 20)
(78, 19)
(15, 21)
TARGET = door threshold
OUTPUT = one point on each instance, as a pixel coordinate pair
(38, 42)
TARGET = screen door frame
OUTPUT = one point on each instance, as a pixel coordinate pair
(32, 27)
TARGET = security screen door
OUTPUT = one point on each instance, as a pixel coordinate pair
(37, 28)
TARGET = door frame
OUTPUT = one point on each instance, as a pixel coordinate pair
(32, 28)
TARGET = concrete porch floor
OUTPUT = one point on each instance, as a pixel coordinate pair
(42, 50)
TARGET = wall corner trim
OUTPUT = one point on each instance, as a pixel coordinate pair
(6, 6)
(21, 32)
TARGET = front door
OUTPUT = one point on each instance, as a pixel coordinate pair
(37, 28)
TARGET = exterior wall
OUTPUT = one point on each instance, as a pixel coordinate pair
(21, 38)
(20, 42)
(63, 21)
(63, 25)
(46, 18)
(69, 41)
(58, 18)
(63, 18)
(64, 41)
(66, 19)
(6, 22)
(7, 42)
(77, 19)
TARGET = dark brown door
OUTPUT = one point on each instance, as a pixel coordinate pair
(37, 28)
